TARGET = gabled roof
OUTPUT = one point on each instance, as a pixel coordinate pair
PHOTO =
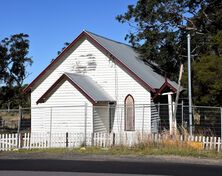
(124, 56)
(84, 84)
(129, 57)
(165, 86)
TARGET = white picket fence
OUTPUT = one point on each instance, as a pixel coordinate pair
(56, 140)
(72, 140)
(8, 141)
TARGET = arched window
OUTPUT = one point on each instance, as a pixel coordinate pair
(129, 113)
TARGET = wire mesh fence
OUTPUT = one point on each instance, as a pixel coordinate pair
(205, 120)
(9, 120)
(155, 118)
(15, 120)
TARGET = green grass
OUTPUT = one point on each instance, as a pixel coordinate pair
(140, 150)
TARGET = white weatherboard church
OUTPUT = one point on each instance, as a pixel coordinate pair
(88, 82)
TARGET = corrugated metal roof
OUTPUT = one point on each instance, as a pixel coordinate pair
(128, 56)
(90, 87)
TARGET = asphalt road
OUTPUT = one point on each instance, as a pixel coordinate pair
(43, 173)
(91, 168)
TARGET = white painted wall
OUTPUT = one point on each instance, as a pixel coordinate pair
(64, 111)
(127, 85)
(87, 59)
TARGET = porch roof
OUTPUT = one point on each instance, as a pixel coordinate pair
(84, 84)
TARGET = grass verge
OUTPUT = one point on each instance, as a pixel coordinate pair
(139, 150)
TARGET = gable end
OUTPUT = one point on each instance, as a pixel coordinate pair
(106, 52)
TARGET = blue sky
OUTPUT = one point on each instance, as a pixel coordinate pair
(51, 23)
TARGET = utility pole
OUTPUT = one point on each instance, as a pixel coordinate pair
(189, 85)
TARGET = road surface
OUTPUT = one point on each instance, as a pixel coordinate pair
(34, 167)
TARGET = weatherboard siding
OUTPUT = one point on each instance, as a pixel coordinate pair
(87, 59)
(127, 85)
(84, 54)
(64, 111)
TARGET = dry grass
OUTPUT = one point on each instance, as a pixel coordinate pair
(139, 150)
(169, 145)
(166, 145)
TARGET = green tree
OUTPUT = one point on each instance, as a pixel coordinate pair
(64, 47)
(207, 81)
(13, 61)
(207, 74)
(159, 29)
(12, 97)
(59, 52)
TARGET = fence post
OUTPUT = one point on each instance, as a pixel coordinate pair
(122, 126)
(221, 125)
(182, 112)
(50, 129)
(67, 139)
(114, 139)
(85, 131)
(19, 119)
(143, 120)
(21, 140)
(19, 126)
(92, 140)
(170, 109)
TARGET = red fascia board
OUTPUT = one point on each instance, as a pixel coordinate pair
(41, 99)
(165, 85)
(120, 64)
(104, 50)
(28, 88)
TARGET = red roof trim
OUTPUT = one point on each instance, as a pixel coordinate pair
(41, 99)
(28, 88)
(104, 50)
(165, 85)
(121, 64)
